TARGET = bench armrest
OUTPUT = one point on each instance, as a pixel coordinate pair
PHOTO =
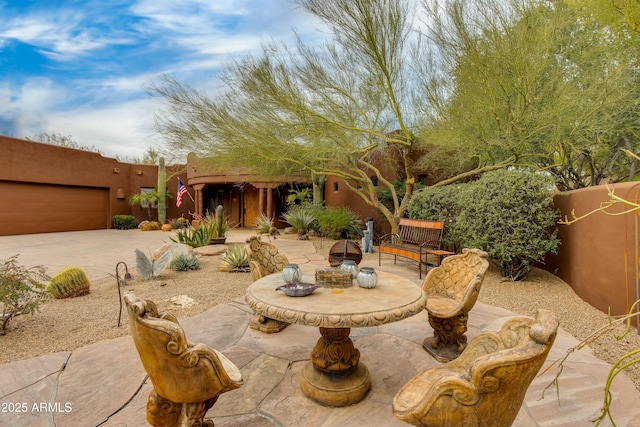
(433, 244)
(393, 238)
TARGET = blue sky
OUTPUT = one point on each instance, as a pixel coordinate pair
(79, 67)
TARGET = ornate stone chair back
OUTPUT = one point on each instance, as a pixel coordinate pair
(265, 258)
(182, 373)
(486, 385)
(452, 290)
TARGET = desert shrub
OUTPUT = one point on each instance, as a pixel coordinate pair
(124, 222)
(338, 222)
(21, 290)
(439, 204)
(510, 215)
(179, 223)
(195, 237)
(185, 262)
(69, 283)
(150, 268)
(235, 259)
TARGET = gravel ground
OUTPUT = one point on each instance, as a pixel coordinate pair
(71, 323)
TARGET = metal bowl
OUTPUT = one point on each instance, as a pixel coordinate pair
(297, 289)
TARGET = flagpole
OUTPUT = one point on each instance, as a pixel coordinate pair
(190, 196)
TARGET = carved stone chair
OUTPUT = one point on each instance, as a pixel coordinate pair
(452, 290)
(265, 259)
(187, 378)
(486, 385)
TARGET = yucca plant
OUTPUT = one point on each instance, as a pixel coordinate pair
(264, 224)
(235, 259)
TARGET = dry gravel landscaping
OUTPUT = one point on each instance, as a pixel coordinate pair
(63, 325)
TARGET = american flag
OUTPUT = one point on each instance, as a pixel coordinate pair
(181, 192)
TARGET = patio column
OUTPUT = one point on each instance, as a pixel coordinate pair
(261, 200)
(271, 210)
(198, 199)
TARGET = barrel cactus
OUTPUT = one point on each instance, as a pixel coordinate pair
(69, 283)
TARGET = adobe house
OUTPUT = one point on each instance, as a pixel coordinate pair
(46, 188)
(244, 196)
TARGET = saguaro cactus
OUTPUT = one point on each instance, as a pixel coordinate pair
(162, 192)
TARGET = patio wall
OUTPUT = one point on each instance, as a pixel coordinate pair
(598, 254)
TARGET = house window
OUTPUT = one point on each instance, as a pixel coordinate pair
(335, 187)
(374, 181)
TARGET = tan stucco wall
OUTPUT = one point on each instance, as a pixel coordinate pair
(597, 255)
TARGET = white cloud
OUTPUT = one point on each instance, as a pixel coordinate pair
(125, 129)
(59, 34)
(98, 97)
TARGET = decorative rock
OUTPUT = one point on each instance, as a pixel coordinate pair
(176, 249)
(182, 301)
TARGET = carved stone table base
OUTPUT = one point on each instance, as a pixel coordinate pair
(449, 339)
(266, 325)
(334, 376)
(335, 390)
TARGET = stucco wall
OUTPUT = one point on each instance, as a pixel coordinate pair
(28, 162)
(597, 255)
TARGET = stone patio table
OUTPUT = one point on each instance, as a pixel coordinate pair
(334, 376)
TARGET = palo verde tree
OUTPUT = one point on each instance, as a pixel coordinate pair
(344, 109)
(539, 82)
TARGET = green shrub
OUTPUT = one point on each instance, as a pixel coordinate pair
(235, 259)
(439, 204)
(510, 215)
(385, 197)
(69, 283)
(21, 290)
(185, 262)
(124, 222)
(339, 222)
(195, 237)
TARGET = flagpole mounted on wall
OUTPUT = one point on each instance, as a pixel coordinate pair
(182, 190)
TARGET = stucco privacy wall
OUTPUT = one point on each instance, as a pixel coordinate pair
(46, 188)
(599, 255)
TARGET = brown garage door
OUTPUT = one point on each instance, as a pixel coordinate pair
(27, 208)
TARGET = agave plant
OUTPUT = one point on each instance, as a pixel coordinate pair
(235, 259)
(300, 219)
(184, 262)
(195, 237)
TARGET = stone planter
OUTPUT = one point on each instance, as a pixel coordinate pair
(218, 240)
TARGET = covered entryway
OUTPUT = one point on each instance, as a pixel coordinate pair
(46, 208)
